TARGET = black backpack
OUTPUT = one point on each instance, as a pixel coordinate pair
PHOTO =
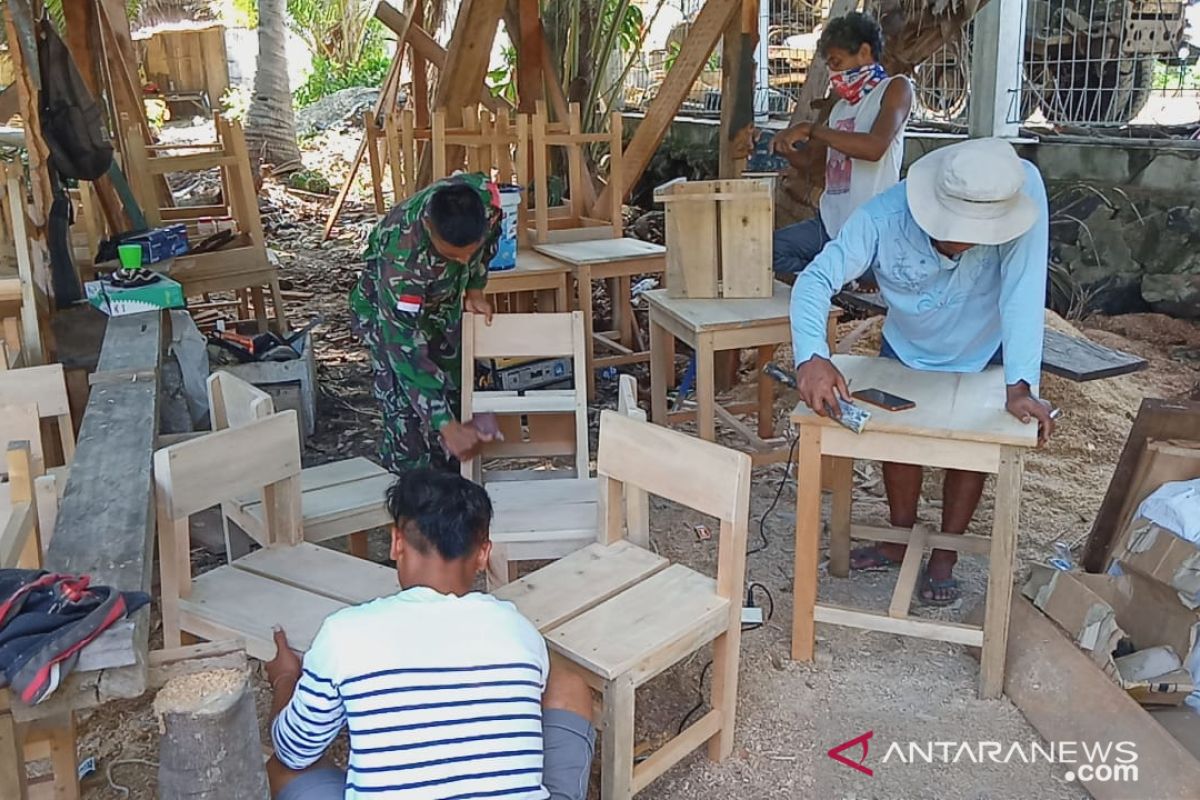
(72, 123)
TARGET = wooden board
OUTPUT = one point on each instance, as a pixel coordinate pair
(1047, 677)
(666, 608)
(1156, 419)
(702, 315)
(326, 572)
(747, 231)
(602, 251)
(540, 494)
(949, 405)
(1070, 357)
(548, 523)
(566, 588)
(228, 602)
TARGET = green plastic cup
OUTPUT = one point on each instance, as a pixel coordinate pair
(130, 255)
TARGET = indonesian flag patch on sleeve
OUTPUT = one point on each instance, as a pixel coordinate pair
(409, 303)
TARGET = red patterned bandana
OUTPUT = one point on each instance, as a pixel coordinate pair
(854, 84)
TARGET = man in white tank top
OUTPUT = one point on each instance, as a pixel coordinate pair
(864, 137)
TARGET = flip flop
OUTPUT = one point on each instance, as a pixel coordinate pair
(930, 586)
(870, 559)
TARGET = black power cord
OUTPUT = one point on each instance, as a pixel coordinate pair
(750, 587)
(762, 521)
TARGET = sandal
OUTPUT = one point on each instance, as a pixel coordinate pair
(870, 559)
(932, 587)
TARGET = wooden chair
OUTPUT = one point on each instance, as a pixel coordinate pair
(394, 141)
(244, 266)
(342, 498)
(621, 615)
(289, 582)
(46, 388)
(538, 513)
(579, 219)
(24, 306)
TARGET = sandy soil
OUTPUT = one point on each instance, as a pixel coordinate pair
(789, 715)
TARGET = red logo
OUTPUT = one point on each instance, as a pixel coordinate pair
(836, 752)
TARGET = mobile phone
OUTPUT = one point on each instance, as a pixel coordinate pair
(885, 400)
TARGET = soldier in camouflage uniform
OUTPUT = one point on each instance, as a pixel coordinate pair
(426, 261)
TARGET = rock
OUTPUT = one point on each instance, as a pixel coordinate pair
(346, 105)
(1176, 295)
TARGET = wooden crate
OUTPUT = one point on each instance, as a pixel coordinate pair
(719, 237)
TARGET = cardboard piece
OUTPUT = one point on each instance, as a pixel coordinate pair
(1099, 611)
(1160, 462)
(117, 301)
(1158, 554)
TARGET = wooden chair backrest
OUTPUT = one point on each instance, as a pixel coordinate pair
(396, 133)
(527, 336)
(583, 219)
(45, 387)
(20, 545)
(233, 402)
(494, 144)
(21, 423)
(700, 475)
(264, 454)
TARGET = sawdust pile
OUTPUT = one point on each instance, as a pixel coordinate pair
(208, 692)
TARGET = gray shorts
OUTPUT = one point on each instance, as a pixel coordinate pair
(568, 743)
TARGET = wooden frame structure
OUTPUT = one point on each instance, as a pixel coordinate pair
(959, 422)
(341, 498)
(23, 301)
(245, 266)
(289, 582)
(620, 615)
(534, 518)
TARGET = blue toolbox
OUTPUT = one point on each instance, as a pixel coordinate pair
(160, 244)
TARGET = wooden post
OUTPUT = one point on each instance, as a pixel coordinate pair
(738, 46)
(529, 56)
(209, 745)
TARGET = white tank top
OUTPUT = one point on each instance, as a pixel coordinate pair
(850, 182)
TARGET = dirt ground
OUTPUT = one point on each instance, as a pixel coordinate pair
(789, 715)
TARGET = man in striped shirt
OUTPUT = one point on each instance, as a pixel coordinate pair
(447, 693)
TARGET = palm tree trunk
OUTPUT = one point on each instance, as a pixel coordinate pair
(270, 121)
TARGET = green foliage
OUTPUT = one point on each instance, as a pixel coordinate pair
(325, 78)
(1171, 78)
(235, 103)
(503, 79)
(713, 63)
(631, 27)
(239, 13)
(308, 180)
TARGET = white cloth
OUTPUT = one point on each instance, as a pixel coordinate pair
(850, 182)
(442, 696)
(1176, 507)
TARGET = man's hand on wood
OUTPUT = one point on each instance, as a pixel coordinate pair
(785, 141)
(463, 440)
(820, 385)
(1025, 407)
(475, 302)
(285, 664)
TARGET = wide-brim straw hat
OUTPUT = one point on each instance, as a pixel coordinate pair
(971, 193)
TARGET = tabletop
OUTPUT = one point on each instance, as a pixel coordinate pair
(531, 261)
(949, 405)
(602, 251)
(722, 313)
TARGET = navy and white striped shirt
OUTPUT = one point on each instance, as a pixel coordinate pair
(442, 696)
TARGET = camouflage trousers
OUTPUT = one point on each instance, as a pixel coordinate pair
(405, 444)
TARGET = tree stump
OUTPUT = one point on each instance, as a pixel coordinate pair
(209, 747)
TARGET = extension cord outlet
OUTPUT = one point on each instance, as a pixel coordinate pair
(752, 616)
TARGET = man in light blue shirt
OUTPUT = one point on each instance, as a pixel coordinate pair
(959, 250)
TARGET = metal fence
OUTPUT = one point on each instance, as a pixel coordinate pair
(1107, 63)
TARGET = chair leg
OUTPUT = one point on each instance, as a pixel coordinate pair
(724, 692)
(64, 760)
(12, 755)
(500, 571)
(616, 749)
(839, 521)
(358, 545)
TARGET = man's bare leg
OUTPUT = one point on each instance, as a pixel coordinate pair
(568, 737)
(960, 497)
(902, 482)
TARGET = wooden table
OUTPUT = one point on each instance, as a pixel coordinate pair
(959, 422)
(543, 277)
(708, 326)
(617, 261)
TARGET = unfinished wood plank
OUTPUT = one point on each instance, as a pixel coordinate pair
(526, 523)
(570, 586)
(636, 625)
(959, 542)
(808, 534)
(542, 494)
(616, 738)
(1001, 565)
(910, 570)
(326, 572)
(747, 230)
(21, 423)
(1047, 674)
(674, 751)
(602, 251)
(228, 602)
(12, 755)
(909, 626)
(536, 401)
(525, 335)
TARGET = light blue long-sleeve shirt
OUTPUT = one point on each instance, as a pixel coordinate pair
(944, 314)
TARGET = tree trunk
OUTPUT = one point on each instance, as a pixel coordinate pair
(270, 122)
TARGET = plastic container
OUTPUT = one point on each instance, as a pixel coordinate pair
(130, 255)
(506, 249)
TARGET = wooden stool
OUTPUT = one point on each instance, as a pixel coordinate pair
(537, 276)
(959, 422)
(709, 326)
(618, 261)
